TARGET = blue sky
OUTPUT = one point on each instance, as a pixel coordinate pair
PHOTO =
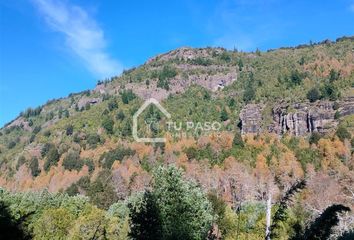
(50, 48)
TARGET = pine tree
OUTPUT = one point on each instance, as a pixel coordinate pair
(145, 220)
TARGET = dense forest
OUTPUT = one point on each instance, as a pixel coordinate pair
(71, 169)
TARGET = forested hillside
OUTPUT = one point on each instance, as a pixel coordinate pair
(71, 169)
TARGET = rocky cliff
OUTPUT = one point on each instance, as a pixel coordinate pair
(296, 119)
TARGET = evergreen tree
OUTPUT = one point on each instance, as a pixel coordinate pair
(112, 105)
(10, 227)
(240, 64)
(224, 115)
(313, 95)
(185, 210)
(237, 141)
(52, 158)
(321, 227)
(333, 75)
(145, 222)
(34, 167)
(107, 124)
(296, 78)
(329, 91)
(69, 130)
(281, 214)
(120, 115)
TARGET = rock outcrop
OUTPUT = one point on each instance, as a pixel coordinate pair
(251, 118)
(296, 119)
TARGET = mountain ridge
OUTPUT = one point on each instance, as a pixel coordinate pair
(55, 145)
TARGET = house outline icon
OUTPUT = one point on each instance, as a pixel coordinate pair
(137, 114)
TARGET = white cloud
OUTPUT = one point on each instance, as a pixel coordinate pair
(82, 35)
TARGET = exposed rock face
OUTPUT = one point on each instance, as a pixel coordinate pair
(251, 118)
(179, 84)
(187, 53)
(88, 100)
(303, 118)
(296, 119)
(20, 122)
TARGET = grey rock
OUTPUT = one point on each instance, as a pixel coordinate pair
(296, 119)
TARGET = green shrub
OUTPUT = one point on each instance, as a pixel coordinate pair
(36, 129)
(108, 124)
(224, 115)
(313, 95)
(107, 159)
(167, 72)
(30, 112)
(101, 191)
(126, 129)
(52, 158)
(120, 115)
(343, 133)
(314, 138)
(335, 106)
(329, 91)
(89, 163)
(231, 102)
(69, 130)
(240, 64)
(249, 92)
(302, 60)
(76, 138)
(20, 161)
(127, 96)
(45, 149)
(72, 161)
(112, 105)
(93, 139)
(34, 167)
(31, 139)
(73, 190)
(11, 144)
(296, 77)
(238, 141)
(66, 113)
(201, 61)
(191, 153)
(337, 115)
(309, 155)
(225, 56)
(333, 75)
(164, 76)
(163, 84)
